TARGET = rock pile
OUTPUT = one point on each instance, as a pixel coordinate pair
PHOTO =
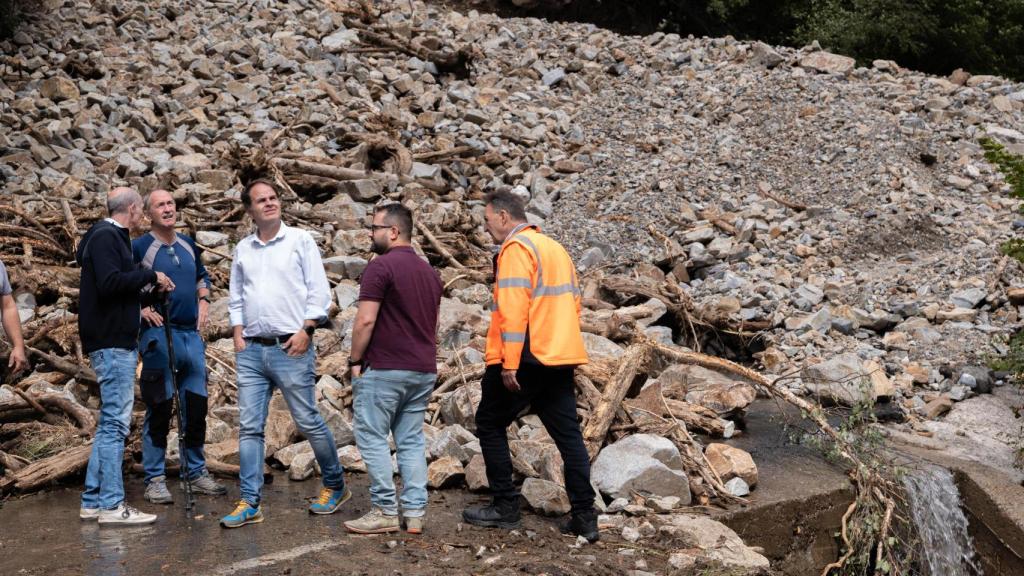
(839, 223)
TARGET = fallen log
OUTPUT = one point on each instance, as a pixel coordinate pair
(342, 173)
(455, 62)
(79, 373)
(632, 362)
(47, 470)
(12, 463)
(213, 466)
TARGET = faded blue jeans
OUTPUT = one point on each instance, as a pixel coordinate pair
(260, 369)
(115, 371)
(393, 401)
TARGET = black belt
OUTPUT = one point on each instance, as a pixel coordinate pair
(269, 340)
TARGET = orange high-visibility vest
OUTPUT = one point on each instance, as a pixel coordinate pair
(537, 299)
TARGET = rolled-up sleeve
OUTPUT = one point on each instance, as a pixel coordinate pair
(235, 287)
(318, 291)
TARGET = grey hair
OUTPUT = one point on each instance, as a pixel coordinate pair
(148, 198)
(119, 200)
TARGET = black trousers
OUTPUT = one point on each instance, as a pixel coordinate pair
(551, 394)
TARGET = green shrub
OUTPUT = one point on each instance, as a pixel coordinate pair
(1011, 165)
(1013, 361)
(1013, 248)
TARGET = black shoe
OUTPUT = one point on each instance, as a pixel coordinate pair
(497, 514)
(582, 524)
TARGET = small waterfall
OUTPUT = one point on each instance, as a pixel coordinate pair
(941, 524)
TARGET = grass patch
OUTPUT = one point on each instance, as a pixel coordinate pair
(1013, 361)
(1014, 248)
(38, 443)
(1011, 165)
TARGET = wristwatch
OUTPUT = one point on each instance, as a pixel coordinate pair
(352, 362)
(205, 299)
(309, 330)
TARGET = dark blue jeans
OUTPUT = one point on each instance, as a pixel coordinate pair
(157, 393)
(550, 392)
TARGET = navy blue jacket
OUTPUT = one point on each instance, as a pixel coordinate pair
(109, 298)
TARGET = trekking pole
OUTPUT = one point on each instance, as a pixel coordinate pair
(182, 456)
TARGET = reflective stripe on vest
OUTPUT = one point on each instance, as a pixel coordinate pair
(540, 290)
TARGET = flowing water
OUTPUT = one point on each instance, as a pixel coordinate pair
(935, 505)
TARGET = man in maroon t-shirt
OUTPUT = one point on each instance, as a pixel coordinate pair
(394, 366)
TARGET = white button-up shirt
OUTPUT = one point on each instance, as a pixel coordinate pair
(277, 285)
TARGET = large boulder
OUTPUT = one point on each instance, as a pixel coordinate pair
(542, 457)
(285, 456)
(448, 442)
(303, 466)
(848, 380)
(476, 473)
(706, 541)
(545, 496)
(351, 460)
(729, 463)
(713, 390)
(459, 407)
(225, 451)
(445, 473)
(642, 463)
(458, 322)
(279, 431)
(828, 63)
(600, 347)
(340, 428)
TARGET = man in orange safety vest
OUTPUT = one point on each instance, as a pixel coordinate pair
(533, 345)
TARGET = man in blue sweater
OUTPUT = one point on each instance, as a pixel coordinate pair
(186, 310)
(108, 325)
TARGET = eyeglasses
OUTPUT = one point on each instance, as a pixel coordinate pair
(172, 254)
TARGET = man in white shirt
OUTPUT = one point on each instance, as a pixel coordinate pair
(279, 293)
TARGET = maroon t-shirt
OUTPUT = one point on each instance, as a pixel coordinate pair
(409, 291)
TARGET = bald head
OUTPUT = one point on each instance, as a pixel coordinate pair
(121, 199)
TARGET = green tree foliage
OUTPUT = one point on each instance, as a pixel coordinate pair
(936, 36)
(8, 18)
(982, 36)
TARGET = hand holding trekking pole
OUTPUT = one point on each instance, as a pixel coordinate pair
(164, 283)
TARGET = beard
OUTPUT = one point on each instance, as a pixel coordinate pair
(378, 247)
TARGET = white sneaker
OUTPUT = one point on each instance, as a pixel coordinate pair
(88, 513)
(125, 514)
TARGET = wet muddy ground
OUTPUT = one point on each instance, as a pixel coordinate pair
(41, 533)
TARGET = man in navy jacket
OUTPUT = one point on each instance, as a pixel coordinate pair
(108, 325)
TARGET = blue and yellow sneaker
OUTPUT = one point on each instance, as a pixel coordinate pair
(330, 500)
(244, 514)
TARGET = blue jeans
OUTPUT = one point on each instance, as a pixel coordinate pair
(157, 389)
(260, 369)
(393, 401)
(104, 483)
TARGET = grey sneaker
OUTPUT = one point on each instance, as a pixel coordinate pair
(205, 484)
(157, 492)
(125, 514)
(88, 513)
(374, 522)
